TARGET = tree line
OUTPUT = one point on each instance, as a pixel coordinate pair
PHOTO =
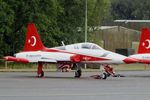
(60, 20)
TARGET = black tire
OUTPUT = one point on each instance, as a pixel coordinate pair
(108, 74)
(42, 74)
(104, 76)
(78, 73)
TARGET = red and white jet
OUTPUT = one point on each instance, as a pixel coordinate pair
(74, 54)
(143, 54)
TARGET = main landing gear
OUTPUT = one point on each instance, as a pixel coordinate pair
(108, 71)
(78, 71)
(40, 72)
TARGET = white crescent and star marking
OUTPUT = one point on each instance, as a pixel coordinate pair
(34, 41)
(148, 41)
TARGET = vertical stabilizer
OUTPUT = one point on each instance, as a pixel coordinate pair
(144, 45)
(33, 41)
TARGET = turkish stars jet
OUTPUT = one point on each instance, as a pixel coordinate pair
(143, 54)
(74, 54)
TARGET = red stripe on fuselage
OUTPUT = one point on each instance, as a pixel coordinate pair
(83, 57)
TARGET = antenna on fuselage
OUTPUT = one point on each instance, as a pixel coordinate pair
(62, 42)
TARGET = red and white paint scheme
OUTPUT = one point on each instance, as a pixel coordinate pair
(74, 54)
(143, 54)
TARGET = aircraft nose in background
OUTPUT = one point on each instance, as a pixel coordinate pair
(130, 60)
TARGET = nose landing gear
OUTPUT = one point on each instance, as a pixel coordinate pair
(109, 70)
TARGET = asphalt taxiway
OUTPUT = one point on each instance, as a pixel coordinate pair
(62, 86)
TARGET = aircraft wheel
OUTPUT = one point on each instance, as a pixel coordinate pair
(42, 74)
(78, 74)
(108, 74)
(104, 76)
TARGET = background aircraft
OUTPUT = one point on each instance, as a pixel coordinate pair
(132, 21)
(74, 54)
(143, 54)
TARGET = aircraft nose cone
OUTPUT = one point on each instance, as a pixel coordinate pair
(130, 60)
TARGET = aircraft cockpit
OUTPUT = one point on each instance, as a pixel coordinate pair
(80, 46)
(90, 46)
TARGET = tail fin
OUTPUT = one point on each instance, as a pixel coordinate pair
(33, 41)
(144, 46)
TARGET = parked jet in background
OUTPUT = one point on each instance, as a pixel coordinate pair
(132, 21)
(74, 54)
(143, 54)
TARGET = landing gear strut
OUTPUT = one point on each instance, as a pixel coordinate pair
(40, 72)
(78, 71)
(109, 70)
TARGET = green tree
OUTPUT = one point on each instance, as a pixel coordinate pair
(98, 12)
(72, 20)
(41, 12)
(6, 21)
(127, 9)
(56, 20)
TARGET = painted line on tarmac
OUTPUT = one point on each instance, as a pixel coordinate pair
(82, 94)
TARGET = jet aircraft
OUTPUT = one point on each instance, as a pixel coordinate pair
(74, 54)
(143, 54)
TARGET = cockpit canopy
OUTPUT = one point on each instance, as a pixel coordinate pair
(81, 46)
(90, 46)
